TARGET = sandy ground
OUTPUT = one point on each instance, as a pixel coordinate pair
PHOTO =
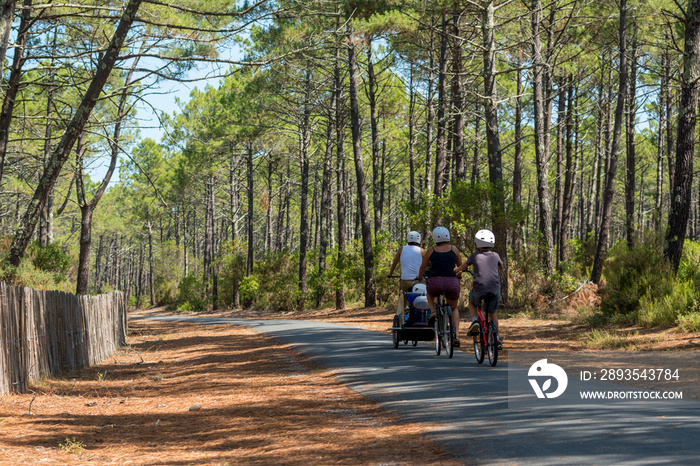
(189, 394)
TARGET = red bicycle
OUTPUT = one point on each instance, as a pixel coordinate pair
(486, 340)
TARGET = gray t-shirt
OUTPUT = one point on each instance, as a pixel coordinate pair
(486, 278)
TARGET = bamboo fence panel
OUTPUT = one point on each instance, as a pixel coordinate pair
(44, 333)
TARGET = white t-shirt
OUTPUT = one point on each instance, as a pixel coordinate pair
(411, 259)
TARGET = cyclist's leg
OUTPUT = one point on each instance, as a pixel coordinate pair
(451, 289)
(432, 291)
(404, 285)
(491, 303)
(473, 303)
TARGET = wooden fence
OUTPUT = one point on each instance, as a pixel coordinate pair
(47, 332)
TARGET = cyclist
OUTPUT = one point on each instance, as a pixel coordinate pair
(443, 259)
(487, 282)
(410, 255)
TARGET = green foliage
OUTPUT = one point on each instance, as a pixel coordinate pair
(633, 273)
(277, 276)
(581, 254)
(231, 265)
(166, 291)
(42, 269)
(690, 322)
(689, 267)
(465, 210)
(609, 340)
(51, 258)
(71, 445)
(250, 288)
(191, 294)
(641, 287)
(663, 310)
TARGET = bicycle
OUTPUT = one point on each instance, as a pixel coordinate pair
(486, 341)
(444, 331)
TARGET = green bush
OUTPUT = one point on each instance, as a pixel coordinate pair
(641, 287)
(166, 291)
(631, 274)
(663, 310)
(689, 268)
(231, 265)
(50, 258)
(191, 294)
(690, 322)
(42, 268)
(250, 288)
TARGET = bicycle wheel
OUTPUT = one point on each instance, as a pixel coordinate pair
(492, 345)
(437, 327)
(395, 333)
(479, 347)
(448, 334)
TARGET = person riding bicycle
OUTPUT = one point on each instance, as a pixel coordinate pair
(487, 282)
(410, 256)
(443, 259)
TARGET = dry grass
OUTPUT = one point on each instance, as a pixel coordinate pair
(259, 403)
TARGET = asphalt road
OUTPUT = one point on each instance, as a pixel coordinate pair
(470, 403)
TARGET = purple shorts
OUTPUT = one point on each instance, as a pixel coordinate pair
(450, 285)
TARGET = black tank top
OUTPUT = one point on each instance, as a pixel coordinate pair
(442, 264)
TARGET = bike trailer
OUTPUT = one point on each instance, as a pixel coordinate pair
(419, 310)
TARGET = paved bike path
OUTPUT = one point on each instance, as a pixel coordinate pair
(469, 402)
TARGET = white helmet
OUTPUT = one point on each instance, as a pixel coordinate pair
(441, 235)
(419, 288)
(413, 237)
(484, 239)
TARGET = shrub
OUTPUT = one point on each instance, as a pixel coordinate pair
(231, 265)
(250, 288)
(191, 294)
(630, 274)
(166, 291)
(690, 322)
(657, 310)
(51, 258)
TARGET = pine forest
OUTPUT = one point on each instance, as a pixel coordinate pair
(318, 133)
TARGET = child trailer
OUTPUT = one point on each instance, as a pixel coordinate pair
(413, 325)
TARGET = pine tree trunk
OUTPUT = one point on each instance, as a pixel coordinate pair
(459, 156)
(545, 220)
(374, 128)
(609, 191)
(441, 151)
(683, 176)
(660, 150)
(341, 185)
(517, 157)
(630, 190)
(370, 292)
(18, 60)
(411, 138)
(430, 122)
(558, 183)
(494, 143)
(569, 177)
(7, 13)
(304, 140)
